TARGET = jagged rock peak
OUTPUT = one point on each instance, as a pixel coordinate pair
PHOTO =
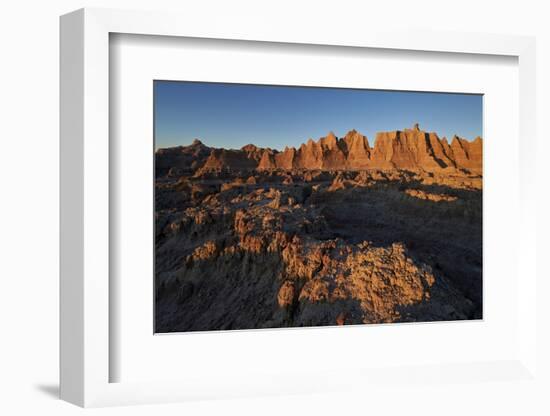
(330, 141)
(197, 142)
(410, 148)
(456, 140)
(355, 141)
(249, 147)
(353, 135)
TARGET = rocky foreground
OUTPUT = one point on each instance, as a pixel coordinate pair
(259, 246)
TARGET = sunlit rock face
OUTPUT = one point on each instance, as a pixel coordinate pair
(399, 149)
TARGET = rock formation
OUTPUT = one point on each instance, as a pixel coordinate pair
(399, 149)
(334, 232)
(357, 149)
(181, 159)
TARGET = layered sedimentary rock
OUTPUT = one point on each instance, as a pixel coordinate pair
(410, 149)
(467, 154)
(406, 149)
(400, 149)
(358, 150)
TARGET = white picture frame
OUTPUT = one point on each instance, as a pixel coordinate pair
(85, 213)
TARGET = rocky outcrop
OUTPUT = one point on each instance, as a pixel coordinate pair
(357, 149)
(410, 149)
(231, 160)
(253, 152)
(406, 149)
(181, 159)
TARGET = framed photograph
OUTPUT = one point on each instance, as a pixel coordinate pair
(261, 211)
(333, 231)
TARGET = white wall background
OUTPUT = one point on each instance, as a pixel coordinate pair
(29, 115)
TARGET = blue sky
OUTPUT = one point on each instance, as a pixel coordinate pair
(232, 115)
